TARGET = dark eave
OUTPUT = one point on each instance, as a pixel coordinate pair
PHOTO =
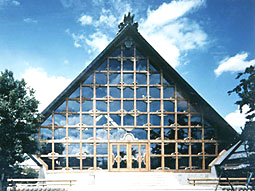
(158, 62)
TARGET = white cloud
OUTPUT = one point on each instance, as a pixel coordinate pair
(237, 119)
(85, 20)
(30, 20)
(47, 87)
(234, 64)
(9, 2)
(97, 41)
(175, 32)
(16, 3)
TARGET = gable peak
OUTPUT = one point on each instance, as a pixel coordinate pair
(128, 20)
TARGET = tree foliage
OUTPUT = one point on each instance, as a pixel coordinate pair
(19, 119)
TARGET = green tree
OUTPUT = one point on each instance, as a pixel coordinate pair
(246, 92)
(19, 118)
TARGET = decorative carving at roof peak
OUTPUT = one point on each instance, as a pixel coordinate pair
(128, 20)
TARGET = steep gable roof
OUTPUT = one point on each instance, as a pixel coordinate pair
(159, 63)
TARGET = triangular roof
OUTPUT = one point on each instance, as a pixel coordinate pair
(169, 73)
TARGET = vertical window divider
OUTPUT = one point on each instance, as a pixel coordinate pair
(148, 106)
(121, 88)
(66, 138)
(108, 113)
(162, 122)
(53, 142)
(203, 142)
(176, 129)
(134, 66)
(94, 119)
(80, 124)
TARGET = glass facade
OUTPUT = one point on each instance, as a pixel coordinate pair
(127, 117)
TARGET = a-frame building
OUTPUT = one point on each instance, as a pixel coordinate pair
(129, 110)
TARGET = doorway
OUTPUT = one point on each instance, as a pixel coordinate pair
(128, 157)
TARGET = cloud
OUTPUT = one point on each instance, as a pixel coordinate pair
(237, 119)
(47, 87)
(176, 33)
(97, 41)
(30, 20)
(234, 64)
(16, 3)
(9, 2)
(85, 20)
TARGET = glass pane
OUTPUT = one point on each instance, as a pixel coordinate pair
(141, 106)
(141, 92)
(170, 162)
(102, 149)
(155, 106)
(128, 105)
(128, 52)
(114, 106)
(141, 120)
(74, 120)
(208, 160)
(115, 92)
(114, 120)
(60, 163)
(183, 148)
(168, 106)
(197, 162)
(101, 133)
(182, 106)
(87, 92)
(116, 53)
(135, 156)
(169, 148)
(45, 148)
(128, 93)
(128, 65)
(141, 79)
(101, 78)
(155, 149)
(59, 120)
(139, 133)
(47, 122)
(154, 92)
(87, 133)
(101, 120)
(74, 149)
(155, 162)
(210, 148)
(210, 133)
(102, 162)
(87, 120)
(87, 149)
(195, 120)
(103, 66)
(48, 162)
(152, 68)
(114, 78)
(62, 107)
(117, 133)
(168, 92)
(87, 105)
(74, 162)
(178, 94)
(141, 65)
(123, 155)
(196, 133)
(143, 155)
(165, 82)
(75, 94)
(128, 120)
(182, 120)
(114, 64)
(155, 79)
(73, 106)
(155, 120)
(196, 148)
(183, 133)
(59, 133)
(60, 148)
(89, 80)
(87, 163)
(46, 133)
(155, 133)
(169, 120)
(183, 163)
(101, 106)
(101, 92)
(74, 133)
(169, 133)
(128, 78)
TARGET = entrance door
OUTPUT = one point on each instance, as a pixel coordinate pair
(128, 157)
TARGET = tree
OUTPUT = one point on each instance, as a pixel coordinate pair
(246, 92)
(19, 119)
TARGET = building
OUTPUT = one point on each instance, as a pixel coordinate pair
(130, 111)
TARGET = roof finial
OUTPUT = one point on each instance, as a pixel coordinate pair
(128, 20)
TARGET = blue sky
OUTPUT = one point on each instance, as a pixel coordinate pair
(49, 42)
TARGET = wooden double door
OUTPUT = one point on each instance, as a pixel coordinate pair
(129, 157)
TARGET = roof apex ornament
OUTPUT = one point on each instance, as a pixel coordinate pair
(128, 20)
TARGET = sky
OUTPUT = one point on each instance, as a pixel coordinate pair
(49, 42)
